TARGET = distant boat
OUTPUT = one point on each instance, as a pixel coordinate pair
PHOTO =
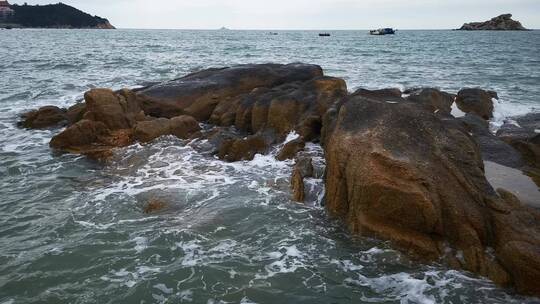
(273, 33)
(383, 31)
(324, 34)
(8, 27)
(223, 29)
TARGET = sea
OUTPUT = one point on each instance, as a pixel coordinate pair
(73, 230)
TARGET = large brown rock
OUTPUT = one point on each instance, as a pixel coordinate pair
(476, 101)
(198, 94)
(117, 110)
(104, 121)
(146, 131)
(293, 106)
(399, 172)
(91, 138)
(44, 117)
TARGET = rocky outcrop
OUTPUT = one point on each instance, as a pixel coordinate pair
(477, 101)
(263, 102)
(44, 117)
(500, 23)
(199, 93)
(399, 172)
(399, 166)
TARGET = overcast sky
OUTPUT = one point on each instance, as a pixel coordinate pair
(303, 14)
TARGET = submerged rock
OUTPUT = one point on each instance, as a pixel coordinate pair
(396, 171)
(153, 206)
(500, 23)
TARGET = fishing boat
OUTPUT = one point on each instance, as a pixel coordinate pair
(324, 34)
(383, 31)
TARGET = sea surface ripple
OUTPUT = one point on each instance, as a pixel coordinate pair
(74, 231)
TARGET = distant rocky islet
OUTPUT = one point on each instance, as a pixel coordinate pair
(501, 23)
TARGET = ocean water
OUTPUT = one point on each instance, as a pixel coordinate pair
(74, 231)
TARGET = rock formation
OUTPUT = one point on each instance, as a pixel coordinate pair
(500, 23)
(399, 172)
(263, 102)
(399, 166)
(476, 101)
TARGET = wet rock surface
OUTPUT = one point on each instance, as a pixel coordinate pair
(199, 93)
(493, 148)
(523, 133)
(303, 168)
(399, 165)
(476, 101)
(396, 171)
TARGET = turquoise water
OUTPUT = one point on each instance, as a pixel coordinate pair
(74, 231)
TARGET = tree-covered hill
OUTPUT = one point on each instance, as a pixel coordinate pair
(56, 16)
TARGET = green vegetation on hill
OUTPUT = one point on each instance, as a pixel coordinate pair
(56, 16)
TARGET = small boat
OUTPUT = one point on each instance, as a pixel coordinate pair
(8, 27)
(383, 31)
(273, 33)
(324, 34)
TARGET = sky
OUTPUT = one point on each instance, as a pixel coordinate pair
(303, 14)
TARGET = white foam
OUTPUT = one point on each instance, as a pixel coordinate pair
(291, 136)
(502, 111)
(163, 288)
(186, 295)
(246, 300)
(456, 112)
(141, 244)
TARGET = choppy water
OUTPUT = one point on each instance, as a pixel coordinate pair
(73, 231)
